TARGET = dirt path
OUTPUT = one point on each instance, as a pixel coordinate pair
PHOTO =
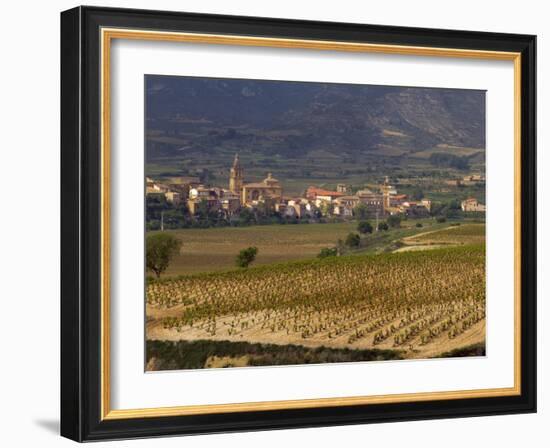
(411, 243)
(419, 247)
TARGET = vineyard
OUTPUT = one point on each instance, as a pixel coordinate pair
(418, 303)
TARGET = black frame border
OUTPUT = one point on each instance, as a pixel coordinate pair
(81, 224)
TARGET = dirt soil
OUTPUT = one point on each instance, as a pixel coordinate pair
(440, 344)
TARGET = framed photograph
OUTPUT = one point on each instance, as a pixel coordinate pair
(277, 224)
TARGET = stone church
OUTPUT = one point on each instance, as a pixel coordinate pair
(268, 190)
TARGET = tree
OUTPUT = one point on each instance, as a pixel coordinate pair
(246, 256)
(394, 221)
(353, 240)
(326, 209)
(246, 217)
(445, 160)
(417, 194)
(364, 227)
(160, 249)
(383, 226)
(205, 176)
(328, 252)
(361, 211)
(437, 208)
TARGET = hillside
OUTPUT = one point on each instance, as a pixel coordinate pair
(214, 117)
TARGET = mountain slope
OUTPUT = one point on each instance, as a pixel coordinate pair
(185, 114)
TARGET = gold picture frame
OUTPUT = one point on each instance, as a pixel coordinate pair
(107, 30)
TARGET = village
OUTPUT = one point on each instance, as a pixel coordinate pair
(315, 203)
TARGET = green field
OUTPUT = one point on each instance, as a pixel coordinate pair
(455, 235)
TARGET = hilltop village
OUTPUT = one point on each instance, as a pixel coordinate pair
(267, 198)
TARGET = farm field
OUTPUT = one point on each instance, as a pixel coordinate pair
(393, 305)
(214, 249)
(452, 235)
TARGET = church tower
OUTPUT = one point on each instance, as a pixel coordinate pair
(386, 188)
(236, 177)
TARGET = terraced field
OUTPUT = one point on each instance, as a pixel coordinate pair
(419, 304)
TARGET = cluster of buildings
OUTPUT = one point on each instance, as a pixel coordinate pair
(472, 205)
(268, 196)
(467, 181)
(383, 202)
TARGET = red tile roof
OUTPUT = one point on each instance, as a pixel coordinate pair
(314, 191)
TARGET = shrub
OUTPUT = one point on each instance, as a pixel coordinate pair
(364, 227)
(353, 240)
(394, 221)
(246, 256)
(327, 252)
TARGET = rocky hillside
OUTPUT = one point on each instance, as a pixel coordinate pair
(186, 114)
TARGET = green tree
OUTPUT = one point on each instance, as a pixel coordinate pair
(364, 227)
(437, 208)
(361, 211)
(326, 209)
(383, 226)
(443, 160)
(353, 240)
(246, 217)
(417, 194)
(328, 252)
(394, 221)
(246, 256)
(160, 249)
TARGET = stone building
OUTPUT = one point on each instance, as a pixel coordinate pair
(472, 205)
(236, 177)
(373, 202)
(268, 189)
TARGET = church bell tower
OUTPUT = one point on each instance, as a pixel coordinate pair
(236, 176)
(386, 188)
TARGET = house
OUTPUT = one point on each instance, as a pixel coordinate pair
(343, 211)
(414, 209)
(230, 204)
(472, 205)
(173, 197)
(373, 202)
(348, 201)
(296, 208)
(397, 199)
(427, 203)
(314, 193)
(202, 192)
(212, 204)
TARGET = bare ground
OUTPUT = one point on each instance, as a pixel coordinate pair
(413, 348)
